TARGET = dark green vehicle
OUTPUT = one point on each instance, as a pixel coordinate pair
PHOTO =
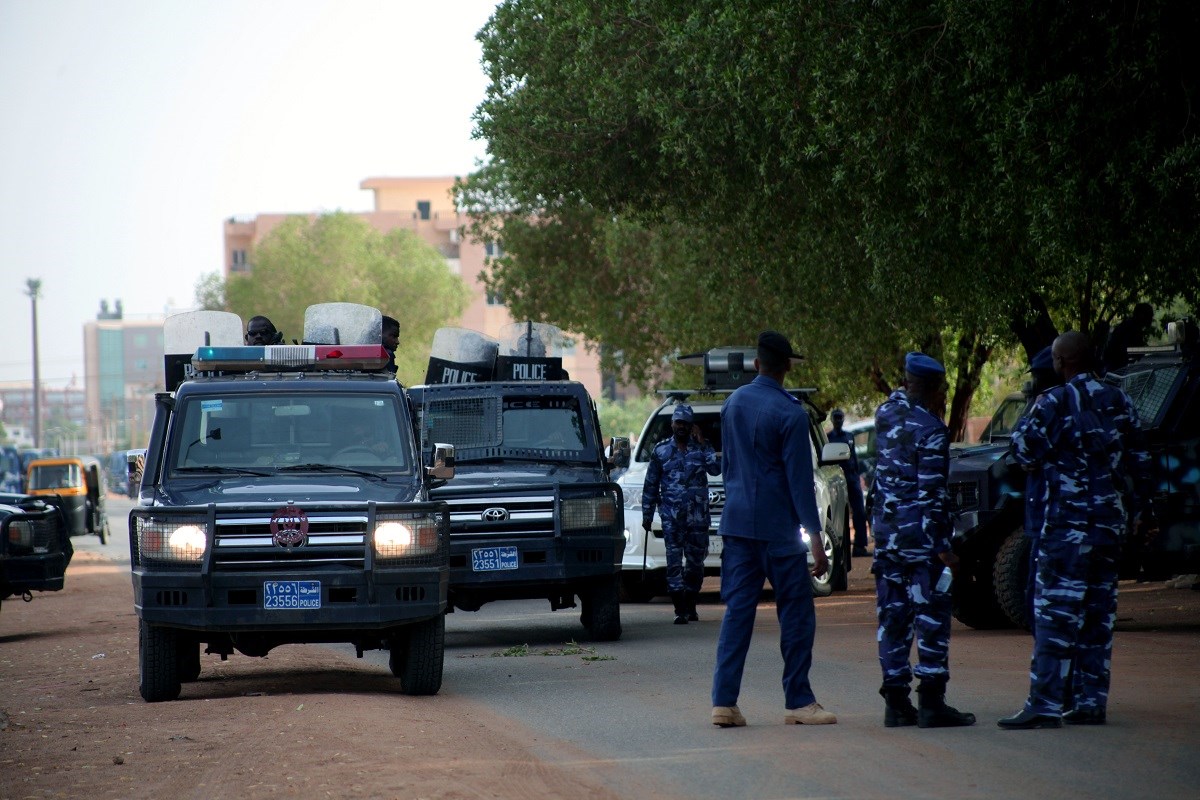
(988, 492)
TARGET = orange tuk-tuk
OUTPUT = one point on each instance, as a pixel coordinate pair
(78, 484)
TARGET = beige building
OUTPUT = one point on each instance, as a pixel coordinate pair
(123, 368)
(424, 206)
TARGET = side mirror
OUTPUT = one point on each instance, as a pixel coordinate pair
(835, 453)
(442, 468)
(619, 452)
(136, 465)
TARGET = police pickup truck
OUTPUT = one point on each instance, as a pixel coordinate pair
(283, 501)
(533, 514)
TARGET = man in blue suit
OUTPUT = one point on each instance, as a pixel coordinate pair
(769, 499)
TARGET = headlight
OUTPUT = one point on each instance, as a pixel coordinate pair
(171, 541)
(633, 497)
(589, 512)
(396, 538)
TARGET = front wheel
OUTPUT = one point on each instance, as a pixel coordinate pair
(601, 612)
(823, 586)
(417, 655)
(158, 663)
(1011, 577)
(104, 535)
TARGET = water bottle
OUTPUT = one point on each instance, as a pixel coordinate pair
(943, 584)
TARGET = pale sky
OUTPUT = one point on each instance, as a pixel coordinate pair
(131, 129)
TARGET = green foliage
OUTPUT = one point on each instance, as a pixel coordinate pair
(866, 178)
(341, 258)
(626, 417)
(210, 292)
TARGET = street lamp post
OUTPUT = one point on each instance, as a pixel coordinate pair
(33, 289)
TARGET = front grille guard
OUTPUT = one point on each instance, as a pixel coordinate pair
(207, 516)
(45, 531)
(560, 491)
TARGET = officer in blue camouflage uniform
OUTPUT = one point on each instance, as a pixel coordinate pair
(1085, 438)
(677, 483)
(911, 524)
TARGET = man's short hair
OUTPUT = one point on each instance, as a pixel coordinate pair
(775, 351)
(390, 324)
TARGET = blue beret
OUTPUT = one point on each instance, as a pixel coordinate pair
(682, 412)
(923, 366)
(1043, 360)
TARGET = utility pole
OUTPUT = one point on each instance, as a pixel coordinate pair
(33, 288)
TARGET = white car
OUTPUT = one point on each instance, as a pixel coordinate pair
(644, 565)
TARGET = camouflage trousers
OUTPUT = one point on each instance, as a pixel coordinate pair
(686, 551)
(1074, 610)
(910, 607)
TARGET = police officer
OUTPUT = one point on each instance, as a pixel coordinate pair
(858, 510)
(1085, 438)
(261, 331)
(391, 340)
(769, 496)
(677, 483)
(912, 526)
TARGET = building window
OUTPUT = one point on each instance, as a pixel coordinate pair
(237, 261)
(493, 249)
(494, 298)
(423, 209)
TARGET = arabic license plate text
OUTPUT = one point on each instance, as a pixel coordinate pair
(493, 559)
(291, 594)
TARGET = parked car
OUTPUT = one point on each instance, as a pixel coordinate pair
(644, 565)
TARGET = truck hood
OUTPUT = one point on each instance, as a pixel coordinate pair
(515, 474)
(299, 489)
(975, 459)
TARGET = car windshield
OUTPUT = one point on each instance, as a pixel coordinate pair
(660, 429)
(1005, 418)
(55, 476)
(273, 430)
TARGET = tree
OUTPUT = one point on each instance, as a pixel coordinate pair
(210, 292)
(341, 258)
(917, 170)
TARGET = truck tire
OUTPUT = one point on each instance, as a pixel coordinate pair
(638, 589)
(840, 570)
(417, 656)
(158, 663)
(189, 659)
(974, 596)
(1011, 576)
(104, 533)
(601, 611)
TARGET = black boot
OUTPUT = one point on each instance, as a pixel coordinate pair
(680, 601)
(899, 711)
(934, 712)
(691, 608)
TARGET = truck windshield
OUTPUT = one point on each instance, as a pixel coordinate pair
(553, 425)
(253, 431)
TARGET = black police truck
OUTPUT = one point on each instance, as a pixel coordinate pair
(533, 514)
(987, 490)
(283, 501)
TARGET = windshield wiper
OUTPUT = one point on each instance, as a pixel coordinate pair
(317, 467)
(235, 470)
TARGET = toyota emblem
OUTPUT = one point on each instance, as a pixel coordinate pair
(715, 496)
(495, 514)
(289, 527)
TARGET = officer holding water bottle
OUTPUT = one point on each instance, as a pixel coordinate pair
(911, 524)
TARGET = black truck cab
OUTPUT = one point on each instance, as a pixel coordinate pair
(533, 512)
(283, 500)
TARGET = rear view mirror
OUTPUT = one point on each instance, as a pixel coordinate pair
(835, 453)
(619, 452)
(442, 468)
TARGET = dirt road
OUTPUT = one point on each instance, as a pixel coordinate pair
(314, 722)
(72, 723)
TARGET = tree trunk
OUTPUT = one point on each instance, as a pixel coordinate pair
(970, 356)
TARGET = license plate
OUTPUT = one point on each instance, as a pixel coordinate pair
(291, 594)
(493, 559)
(714, 545)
